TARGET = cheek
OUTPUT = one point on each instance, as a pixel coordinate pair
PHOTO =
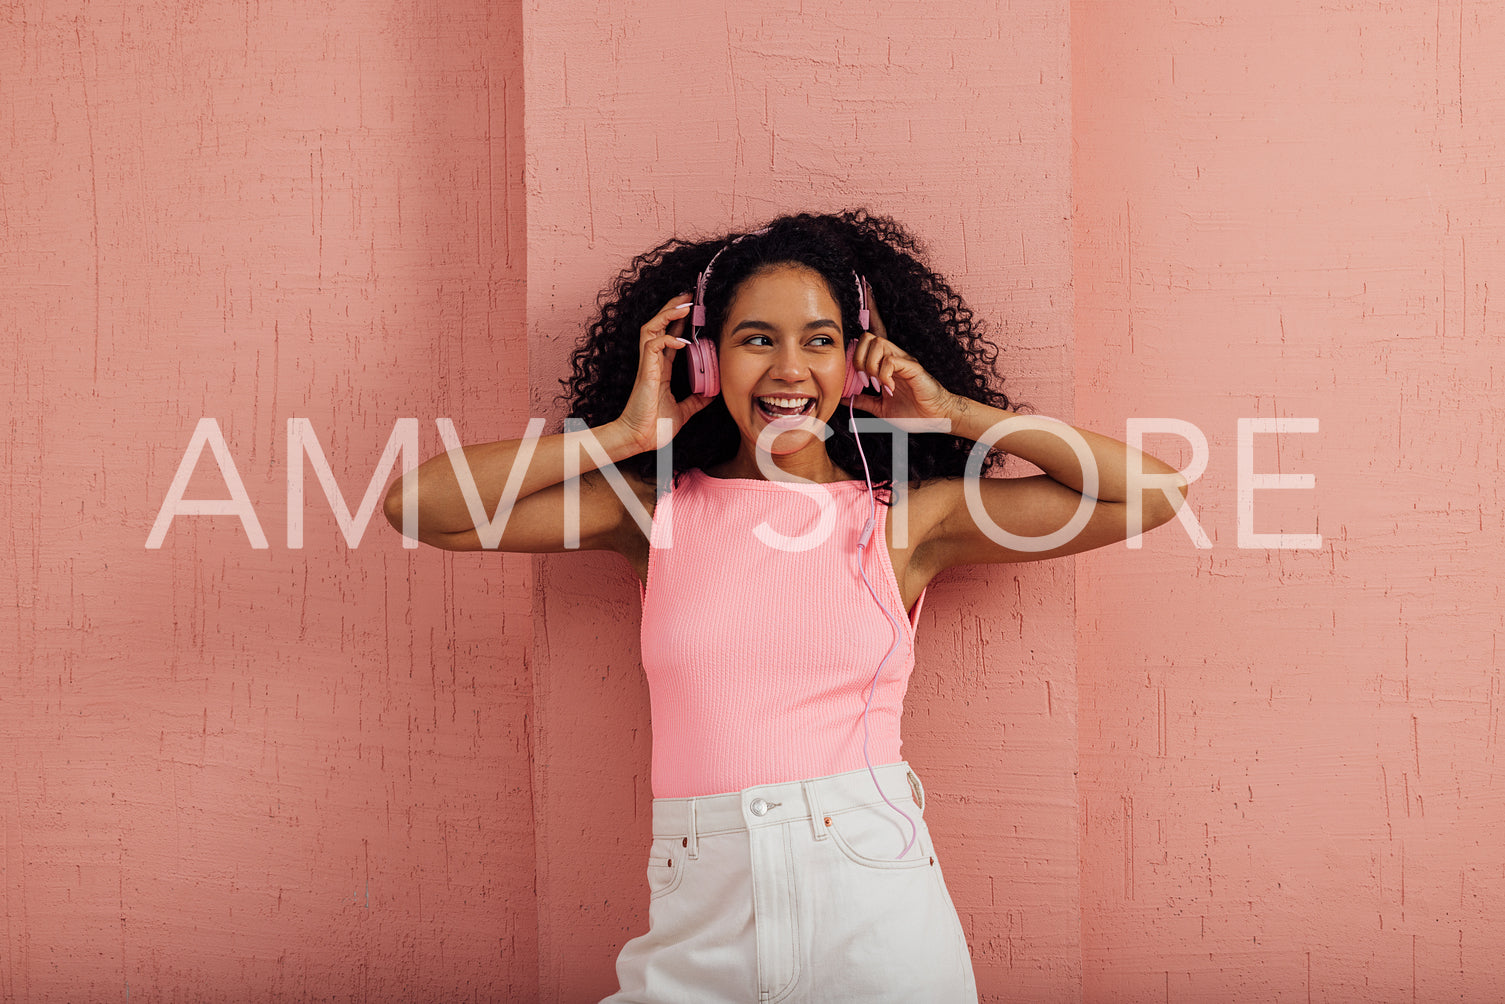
(734, 370)
(834, 374)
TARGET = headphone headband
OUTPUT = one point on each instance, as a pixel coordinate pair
(697, 316)
(697, 320)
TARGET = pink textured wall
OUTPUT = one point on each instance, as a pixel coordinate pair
(370, 773)
(654, 118)
(228, 773)
(1290, 774)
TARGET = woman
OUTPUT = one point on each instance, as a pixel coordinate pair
(790, 858)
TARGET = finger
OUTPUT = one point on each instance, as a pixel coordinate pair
(863, 355)
(872, 400)
(693, 404)
(676, 309)
(687, 409)
(879, 353)
(668, 343)
(657, 354)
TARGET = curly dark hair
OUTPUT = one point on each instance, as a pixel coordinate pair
(922, 313)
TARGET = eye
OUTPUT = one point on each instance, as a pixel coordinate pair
(823, 340)
(753, 340)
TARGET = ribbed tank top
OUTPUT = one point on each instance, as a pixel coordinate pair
(759, 656)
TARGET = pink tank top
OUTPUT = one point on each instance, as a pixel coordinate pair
(759, 654)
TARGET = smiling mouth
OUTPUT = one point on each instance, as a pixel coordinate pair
(774, 408)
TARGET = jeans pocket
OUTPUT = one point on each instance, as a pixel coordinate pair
(873, 836)
(666, 865)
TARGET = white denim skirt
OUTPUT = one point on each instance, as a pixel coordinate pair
(798, 893)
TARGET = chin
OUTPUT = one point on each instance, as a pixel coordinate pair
(804, 434)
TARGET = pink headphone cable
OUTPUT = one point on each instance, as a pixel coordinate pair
(867, 532)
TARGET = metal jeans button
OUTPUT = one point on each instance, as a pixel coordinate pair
(760, 806)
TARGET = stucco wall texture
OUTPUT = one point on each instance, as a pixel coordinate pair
(1291, 786)
(230, 773)
(349, 770)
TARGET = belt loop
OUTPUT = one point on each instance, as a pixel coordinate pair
(692, 841)
(817, 821)
(916, 789)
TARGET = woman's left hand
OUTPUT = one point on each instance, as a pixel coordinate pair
(905, 390)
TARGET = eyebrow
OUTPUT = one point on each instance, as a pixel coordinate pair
(765, 326)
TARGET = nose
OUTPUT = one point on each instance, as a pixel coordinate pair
(789, 363)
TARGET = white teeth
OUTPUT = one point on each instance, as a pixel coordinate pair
(786, 402)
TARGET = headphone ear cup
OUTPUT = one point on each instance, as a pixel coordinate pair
(857, 381)
(705, 375)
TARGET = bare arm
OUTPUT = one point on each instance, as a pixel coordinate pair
(534, 519)
(522, 481)
(1033, 508)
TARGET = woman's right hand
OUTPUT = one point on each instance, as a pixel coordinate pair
(651, 398)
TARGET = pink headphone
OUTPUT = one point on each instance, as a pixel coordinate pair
(705, 374)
